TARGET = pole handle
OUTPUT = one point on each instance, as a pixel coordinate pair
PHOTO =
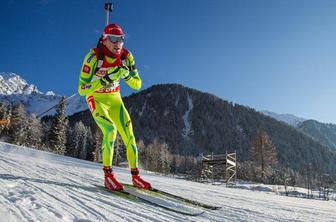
(108, 9)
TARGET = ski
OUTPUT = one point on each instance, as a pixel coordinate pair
(183, 199)
(135, 196)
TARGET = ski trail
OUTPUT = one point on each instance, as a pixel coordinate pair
(60, 192)
(39, 186)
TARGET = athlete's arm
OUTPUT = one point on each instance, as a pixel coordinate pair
(85, 86)
(133, 80)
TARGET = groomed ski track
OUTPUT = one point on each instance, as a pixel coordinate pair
(40, 186)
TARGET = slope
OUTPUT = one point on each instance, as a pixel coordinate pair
(40, 186)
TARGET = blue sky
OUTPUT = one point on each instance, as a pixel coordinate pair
(276, 55)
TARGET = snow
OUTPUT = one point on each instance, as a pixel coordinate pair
(12, 83)
(143, 108)
(177, 101)
(187, 126)
(50, 93)
(290, 119)
(40, 186)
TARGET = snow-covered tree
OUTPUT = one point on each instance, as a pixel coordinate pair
(119, 151)
(34, 132)
(97, 143)
(17, 129)
(165, 158)
(141, 153)
(156, 157)
(57, 132)
(80, 139)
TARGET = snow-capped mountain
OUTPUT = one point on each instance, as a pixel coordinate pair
(290, 119)
(14, 89)
(12, 83)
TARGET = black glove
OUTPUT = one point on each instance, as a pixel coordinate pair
(124, 72)
(106, 80)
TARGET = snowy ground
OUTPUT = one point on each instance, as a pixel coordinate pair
(39, 186)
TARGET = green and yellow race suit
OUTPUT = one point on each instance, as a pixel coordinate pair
(105, 102)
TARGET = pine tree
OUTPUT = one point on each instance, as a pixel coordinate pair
(97, 143)
(141, 153)
(79, 141)
(18, 124)
(263, 153)
(119, 151)
(34, 132)
(4, 118)
(2, 111)
(46, 122)
(84, 153)
(57, 132)
(82, 138)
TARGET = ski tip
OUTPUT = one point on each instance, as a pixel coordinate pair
(195, 215)
(190, 214)
(215, 208)
(199, 214)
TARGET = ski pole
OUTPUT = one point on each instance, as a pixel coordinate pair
(39, 115)
(108, 9)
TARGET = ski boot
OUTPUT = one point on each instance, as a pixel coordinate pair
(138, 181)
(111, 182)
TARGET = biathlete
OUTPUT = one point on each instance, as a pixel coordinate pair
(102, 69)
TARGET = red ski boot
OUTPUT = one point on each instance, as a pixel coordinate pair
(138, 181)
(111, 182)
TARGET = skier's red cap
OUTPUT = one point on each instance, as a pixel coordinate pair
(113, 29)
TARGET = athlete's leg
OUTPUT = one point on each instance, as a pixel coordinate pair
(100, 115)
(122, 120)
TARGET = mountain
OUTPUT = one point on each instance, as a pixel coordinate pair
(290, 119)
(12, 83)
(41, 186)
(193, 122)
(322, 132)
(14, 90)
